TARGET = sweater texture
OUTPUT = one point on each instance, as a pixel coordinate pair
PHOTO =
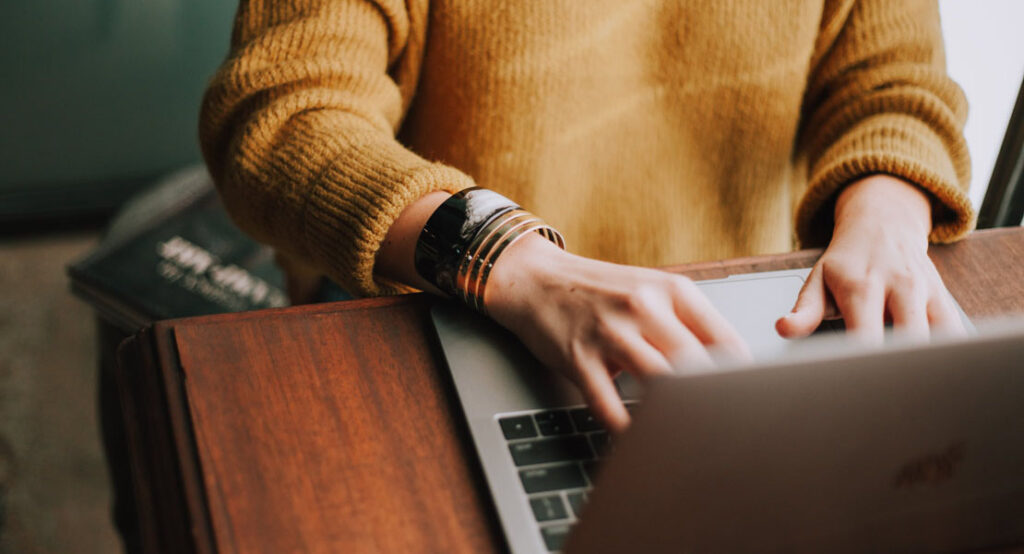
(649, 132)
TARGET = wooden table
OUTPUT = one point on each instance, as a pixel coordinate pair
(335, 427)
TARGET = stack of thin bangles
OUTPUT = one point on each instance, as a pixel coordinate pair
(464, 237)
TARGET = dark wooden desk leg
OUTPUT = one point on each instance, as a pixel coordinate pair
(115, 445)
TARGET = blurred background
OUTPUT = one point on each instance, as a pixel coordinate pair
(99, 98)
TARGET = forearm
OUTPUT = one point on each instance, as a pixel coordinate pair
(395, 257)
(300, 140)
(878, 101)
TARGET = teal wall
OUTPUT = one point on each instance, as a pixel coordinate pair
(99, 91)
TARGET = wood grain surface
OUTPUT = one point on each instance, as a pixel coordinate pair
(334, 428)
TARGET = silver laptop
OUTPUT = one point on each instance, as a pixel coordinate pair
(542, 452)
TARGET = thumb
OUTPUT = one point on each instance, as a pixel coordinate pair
(809, 308)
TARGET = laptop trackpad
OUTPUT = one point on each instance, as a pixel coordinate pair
(752, 305)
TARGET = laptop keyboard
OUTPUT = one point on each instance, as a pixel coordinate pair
(556, 453)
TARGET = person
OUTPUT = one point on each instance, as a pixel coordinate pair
(646, 133)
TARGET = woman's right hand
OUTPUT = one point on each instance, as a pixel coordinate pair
(592, 319)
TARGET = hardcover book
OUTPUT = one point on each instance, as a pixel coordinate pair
(174, 252)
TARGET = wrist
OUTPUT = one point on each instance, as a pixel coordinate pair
(519, 270)
(884, 201)
(395, 258)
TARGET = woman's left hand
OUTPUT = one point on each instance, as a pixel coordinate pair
(876, 268)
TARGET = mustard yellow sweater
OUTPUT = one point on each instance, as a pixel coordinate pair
(648, 132)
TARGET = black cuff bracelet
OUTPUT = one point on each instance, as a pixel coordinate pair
(448, 233)
(464, 237)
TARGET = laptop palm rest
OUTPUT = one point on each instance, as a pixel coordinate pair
(501, 376)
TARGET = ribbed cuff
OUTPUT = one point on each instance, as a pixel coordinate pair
(357, 201)
(893, 144)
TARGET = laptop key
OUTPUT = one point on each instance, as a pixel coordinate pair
(553, 478)
(590, 468)
(554, 536)
(547, 508)
(562, 449)
(628, 386)
(584, 420)
(519, 427)
(555, 422)
(601, 442)
(576, 500)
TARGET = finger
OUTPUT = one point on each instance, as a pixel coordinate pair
(666, 334)
(701, 317)
(692, 357)
(943, 315)
(909, 311)
(809, 309)
(831, 311)
(602, 397)
(632, 353)
(862, 305)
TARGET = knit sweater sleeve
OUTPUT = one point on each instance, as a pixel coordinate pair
(878, 100)
(298, 130)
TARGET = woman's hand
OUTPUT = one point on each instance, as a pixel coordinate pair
(592, 319)
(876, 268)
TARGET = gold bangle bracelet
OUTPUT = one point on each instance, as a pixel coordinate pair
(482, 243)
(476, 281)
(477, 278)
(487, 244)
